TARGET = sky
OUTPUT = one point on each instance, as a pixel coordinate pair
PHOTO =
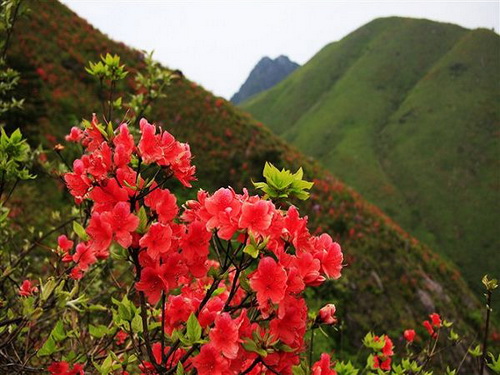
(217, 43)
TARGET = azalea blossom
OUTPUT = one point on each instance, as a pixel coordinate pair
(27, 289)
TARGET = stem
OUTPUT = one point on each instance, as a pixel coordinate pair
(163, 327)
(311, 346)
(486, 328)
(251, 367)
(110, 104)
(270, 368)
(10, 29)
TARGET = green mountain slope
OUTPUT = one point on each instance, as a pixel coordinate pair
(391, 281)
(406, 111)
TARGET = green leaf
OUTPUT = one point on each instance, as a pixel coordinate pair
(251, 250)
(495, 363)
(98, 331)
(143, 220)
(48, 348)
(80, 231)
(476, 352)
(47, 289)
(282, 184)
(58, 333)
(180, 369)
(193, 329)
(137, 323)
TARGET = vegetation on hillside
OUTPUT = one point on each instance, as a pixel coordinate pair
(406, 111)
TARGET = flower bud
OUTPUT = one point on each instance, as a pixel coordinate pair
(409, 335)
(326, 314)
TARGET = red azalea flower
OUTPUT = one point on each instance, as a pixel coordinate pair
(75, 135)
(120, 337)
(65, 245)
(290, 325)
(152, 284)
(435, 319)
(58, 368)
(387, 350)
(269, 281)
(164, 203)
(256, 217)
(428, 326)
(409, 335)
(196, 241)
(124, 145)
(330, 256)
(100, 232)
(107, 195)
(122, 222)
(63, 368)
(84, 256)
(27, 288)
(386, 364)
(157, 240)
(323, 366)
(149, 147)
(224, 335)
(210, 361)
(77, 182)
(327, 314)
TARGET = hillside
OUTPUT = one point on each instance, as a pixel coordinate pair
(263, 76)
(406, 111)
(391, 281)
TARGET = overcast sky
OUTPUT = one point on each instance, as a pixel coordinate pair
(217, 43)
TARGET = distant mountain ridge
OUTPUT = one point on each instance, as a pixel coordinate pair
(406, 111)
(265, 75)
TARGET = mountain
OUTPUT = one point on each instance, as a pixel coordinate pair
(391, 281)
(406, 111)
(265, 75)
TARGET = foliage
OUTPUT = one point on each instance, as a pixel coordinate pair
(283, 184)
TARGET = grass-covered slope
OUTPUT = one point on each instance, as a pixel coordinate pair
(406, 111)
(390, 282)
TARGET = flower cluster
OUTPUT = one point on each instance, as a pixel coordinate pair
(104, 176)
(432, 325)
(235, 263)
(383, 349)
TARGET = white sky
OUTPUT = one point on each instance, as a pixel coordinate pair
(217, 43)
